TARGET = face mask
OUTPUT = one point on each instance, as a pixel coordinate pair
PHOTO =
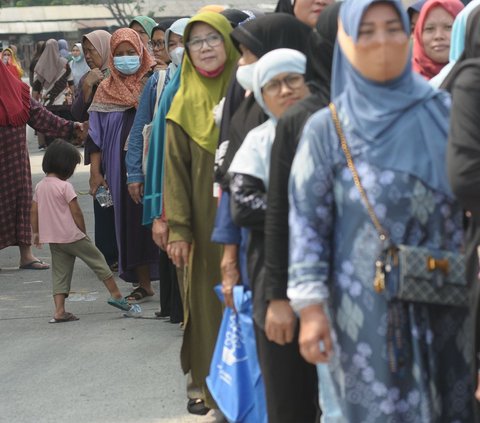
(380, 62)
(177, 55)
(127, 65)
(77, 58)
(245, 76)
(5, 60)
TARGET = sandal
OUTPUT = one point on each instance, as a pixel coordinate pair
(197, 406)
(67, 317)
(139, 295)
(35, 265)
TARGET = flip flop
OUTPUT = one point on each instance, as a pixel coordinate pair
(138, 295)
(35, 265)
(67, 317)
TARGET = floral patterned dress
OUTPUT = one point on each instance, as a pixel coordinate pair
(333, 248)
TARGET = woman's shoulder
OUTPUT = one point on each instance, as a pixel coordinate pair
(468, 76)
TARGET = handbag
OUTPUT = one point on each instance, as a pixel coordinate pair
(405, 272)
(235, 380)
(147, 129)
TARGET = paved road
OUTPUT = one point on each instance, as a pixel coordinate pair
(103, 368)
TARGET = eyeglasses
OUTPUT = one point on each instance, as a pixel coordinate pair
(212, 40)
(292, 81)
(158, 44)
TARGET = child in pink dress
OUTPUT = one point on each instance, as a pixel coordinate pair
(58, 220)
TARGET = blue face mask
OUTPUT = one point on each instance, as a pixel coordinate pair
(127, 65)
(77, 58)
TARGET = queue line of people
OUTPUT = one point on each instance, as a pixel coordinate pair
(247, 157)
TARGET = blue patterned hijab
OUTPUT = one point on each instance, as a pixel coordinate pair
(403, 121)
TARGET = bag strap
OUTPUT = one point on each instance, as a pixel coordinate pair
(382, 233)
(162, 74)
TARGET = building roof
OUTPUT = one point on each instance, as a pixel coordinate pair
(42, 19)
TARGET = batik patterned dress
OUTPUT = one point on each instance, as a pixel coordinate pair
(15, 174)
(333, 249)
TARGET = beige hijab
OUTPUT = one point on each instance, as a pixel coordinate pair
(100, 39)
(51, 65)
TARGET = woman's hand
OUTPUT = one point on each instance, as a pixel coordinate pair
(179, 251)
(280, 322)
(160, 233)
(230, 273)
(96, 180)
(315, 329)
(135, 190)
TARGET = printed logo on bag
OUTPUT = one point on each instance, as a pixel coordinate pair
(233, 348)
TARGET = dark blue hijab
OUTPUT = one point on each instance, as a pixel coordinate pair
(403, 121)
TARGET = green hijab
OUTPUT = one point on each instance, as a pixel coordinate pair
(146, 22)
(192, 107)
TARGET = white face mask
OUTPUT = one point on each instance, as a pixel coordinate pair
(5, 60)
(177, 55)
(245, 76)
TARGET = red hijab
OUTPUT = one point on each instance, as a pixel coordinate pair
(119, 90)
(421, 62)
(14, 99)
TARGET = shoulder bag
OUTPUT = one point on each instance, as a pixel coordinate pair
(409, 273)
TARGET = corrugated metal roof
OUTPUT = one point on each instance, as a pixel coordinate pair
(40, 19)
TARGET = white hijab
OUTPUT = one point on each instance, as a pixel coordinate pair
(253, 157)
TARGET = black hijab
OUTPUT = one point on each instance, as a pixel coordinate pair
(320, 51)
(269, 32)
(235, 16)
(163, 25)
(284, 6)
(471, 53)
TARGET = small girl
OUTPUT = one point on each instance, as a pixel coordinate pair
(58, 220)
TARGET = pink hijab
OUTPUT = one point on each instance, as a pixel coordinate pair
(421, 62)
(123, 91)
(100, 39)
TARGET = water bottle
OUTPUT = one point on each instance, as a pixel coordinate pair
(104, 197)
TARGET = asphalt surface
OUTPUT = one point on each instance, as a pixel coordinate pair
(103, 368)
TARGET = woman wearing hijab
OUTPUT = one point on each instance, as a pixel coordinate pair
(63, 49)
(39, 47)
(111, 117)
(189, 202)
(306, 11)
(10, 60)
(17, 109)
(53, 80)
(158, 44)
(170, 301)
(78, 64)
(380, 360)
(463, 160)
(253, 39)
(278, 83)
(280, 319)
(431, 39)
(143, 26)
(457, 44)
(96, 48)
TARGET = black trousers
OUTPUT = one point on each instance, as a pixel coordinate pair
(170, 298)
(105, 238)
(291, 383)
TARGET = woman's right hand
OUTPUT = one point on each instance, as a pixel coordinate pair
(315, 329)
(230, 273)
(178, 251)
(95, 181)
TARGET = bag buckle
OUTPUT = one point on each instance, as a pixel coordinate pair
(438, 264)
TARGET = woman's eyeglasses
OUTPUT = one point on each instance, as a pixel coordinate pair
(292, 81)
(212, 40)
(158, 44)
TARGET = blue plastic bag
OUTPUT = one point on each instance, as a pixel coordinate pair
(235, 380)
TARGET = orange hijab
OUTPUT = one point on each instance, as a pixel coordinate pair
(421, 62)
(121, 92)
